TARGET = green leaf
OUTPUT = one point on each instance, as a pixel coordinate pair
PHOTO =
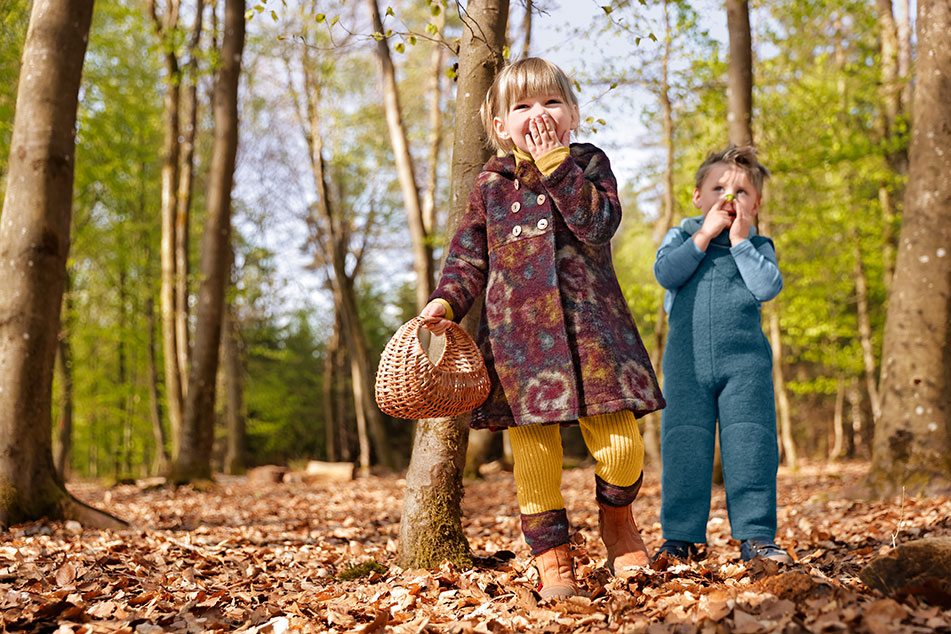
(320, 17)
(377, 36)
(436, 9)
(652, 37)
(259, 8)
(274, 15)
(431, 29)
(607, 9)
(389, 11)
(412, 40)
(335, 20)
(249, 14)
(602, 122)
(399, 48)
(451, 73)
(389, 33)
(506, 52)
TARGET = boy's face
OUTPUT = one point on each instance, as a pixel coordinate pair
(729, 189)
(514, 125)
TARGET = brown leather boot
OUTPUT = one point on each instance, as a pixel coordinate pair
(621, 537)
(556, 572)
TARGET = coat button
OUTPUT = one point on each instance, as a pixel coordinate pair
(516, 206)
(517, 230)
(541, 199)
(516, 184)
(543, 224)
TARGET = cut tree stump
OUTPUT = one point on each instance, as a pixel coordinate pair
(267, 474)
(318, 471)
(921, 567)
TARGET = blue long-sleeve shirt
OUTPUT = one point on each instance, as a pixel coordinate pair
(678, 258)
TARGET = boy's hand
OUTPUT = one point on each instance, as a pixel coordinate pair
(717, 218)
(435, 311)
(740, 229)
(542, 137)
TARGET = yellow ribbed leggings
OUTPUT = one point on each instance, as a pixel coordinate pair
(613, 439)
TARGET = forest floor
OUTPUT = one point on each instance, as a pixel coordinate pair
(242, 556)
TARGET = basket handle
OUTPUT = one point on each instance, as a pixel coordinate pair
(452, 335)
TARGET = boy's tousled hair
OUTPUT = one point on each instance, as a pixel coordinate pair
(524, 78)
(744, 157)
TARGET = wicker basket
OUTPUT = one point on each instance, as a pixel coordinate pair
(409, 385)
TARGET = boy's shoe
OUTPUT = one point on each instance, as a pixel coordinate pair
(765, 548)
(676, 549)
(556, 573)
(623, 541)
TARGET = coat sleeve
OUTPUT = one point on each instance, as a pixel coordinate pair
(467, 263)
(586, 196)
(677, 259)
(758, 268)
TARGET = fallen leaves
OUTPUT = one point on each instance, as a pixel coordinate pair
(265, 558)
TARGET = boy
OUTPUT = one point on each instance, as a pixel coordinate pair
(718, 364)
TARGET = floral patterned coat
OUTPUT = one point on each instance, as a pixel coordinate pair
(556, 332)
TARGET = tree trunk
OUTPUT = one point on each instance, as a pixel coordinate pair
(838, 433)
(335, 240)
(34, 246)
(912, 441)
(184, 200)
(436, 63)
(64, 426)
(422, 249)
(234, 395)
(739, 73)
(431, 524)
(527, 28)
(160, 460)
(331, 421)
(903, 20)
(194, 459)
(865, 326)
(165, 26)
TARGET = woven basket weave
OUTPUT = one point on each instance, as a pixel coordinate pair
(409, 385)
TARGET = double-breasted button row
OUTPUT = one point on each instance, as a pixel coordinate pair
(517, 206)
(542, 224)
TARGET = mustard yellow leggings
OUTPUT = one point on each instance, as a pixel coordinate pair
(613, 439)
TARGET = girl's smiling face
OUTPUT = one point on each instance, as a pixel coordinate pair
(514, 126)
(729, 186)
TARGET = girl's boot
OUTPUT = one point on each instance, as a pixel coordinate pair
(556, 573)
(621, 537)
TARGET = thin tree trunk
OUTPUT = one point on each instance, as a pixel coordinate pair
(739, 73)
(436, 63)
(903, 21)
(865, 327)
(838, 433)
(912, 441)
(331, 422)
(34, 246)
(64, 426)
(890, 110)
(527, 27)
(194, 459)
(234, 395)
(431, 523)
(783, 413)
(160, 460)
(856, 429)
(165, 26)
(184, 200)
(422, 249)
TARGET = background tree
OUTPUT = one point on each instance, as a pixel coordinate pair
(913, 438)
(34, 245)
(431, 526)
(194, 458)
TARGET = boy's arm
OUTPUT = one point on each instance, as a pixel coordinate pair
(758, 268)
(464, 273)
(677, 259)
(587, 199)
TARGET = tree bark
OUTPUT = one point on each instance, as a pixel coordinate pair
(160, 460)
(34, 246)
(838, 433)
(739, 73)
(64, 426)
(436, 63)
(165, 26)
(865, 326)
(184, 200)
(431, 523)
(422, 248)
(194, 459)
(234, 396)
(913, 439)
(331, 422)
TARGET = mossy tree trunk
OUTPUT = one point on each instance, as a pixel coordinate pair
(912, 441)
(34, 245)
(431, 524)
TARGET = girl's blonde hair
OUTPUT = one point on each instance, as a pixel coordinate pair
(524, 78)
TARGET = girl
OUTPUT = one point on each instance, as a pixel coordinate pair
(555, 330)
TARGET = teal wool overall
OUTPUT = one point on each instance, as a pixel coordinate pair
(718, 367)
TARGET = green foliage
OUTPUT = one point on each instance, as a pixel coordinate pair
(14, 18)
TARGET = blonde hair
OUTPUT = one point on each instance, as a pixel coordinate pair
(744, 157)
(525, 78)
